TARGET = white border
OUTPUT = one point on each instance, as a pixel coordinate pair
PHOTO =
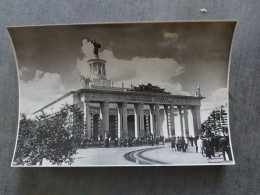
(135, 22)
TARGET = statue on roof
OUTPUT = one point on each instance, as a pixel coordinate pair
(148, 88)
(96, 47)
(197, 91)
(85, 81)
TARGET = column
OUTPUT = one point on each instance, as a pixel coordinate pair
(197, 108)
(92, 126)
(105, 119)
(120, 120)
(166, 116)
(124, 126)
(87, 119)
(116, 125)
(152, 126)
(147, 125)
(180, 113)
(136, 113)
(195, 121)
(199, 120)
(157, 121)
(141, 113)
(186, 122)
(172, 121)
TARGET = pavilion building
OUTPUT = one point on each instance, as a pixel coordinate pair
(138, 111)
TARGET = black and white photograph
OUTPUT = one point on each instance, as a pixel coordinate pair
(123, 94)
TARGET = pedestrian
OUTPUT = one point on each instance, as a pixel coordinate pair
(106, 143)
(125, 142)
(178, 143)
(191, 141)
(116, 142)
(216, 142)
(200, 145)
(196, 142)
(211, 146)
(183, 144)
(206, 145)
(157, 141)
(225, 147)
(173, 144)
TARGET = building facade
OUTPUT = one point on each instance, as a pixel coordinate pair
(139, 111)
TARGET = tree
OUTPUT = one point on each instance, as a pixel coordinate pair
(216, 122)
(26, 143)
(53, 137)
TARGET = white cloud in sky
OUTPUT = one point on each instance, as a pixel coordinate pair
(23, 71)
(138, 70)
(173, 36)
(45, 87)
(40, 90)
(169, 39)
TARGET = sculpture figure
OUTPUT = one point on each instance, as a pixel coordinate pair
(96, 46)
(197, 91)
(85, 81)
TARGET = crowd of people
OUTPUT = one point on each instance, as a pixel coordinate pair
(207, 145)
(212, 144)
(124, 142)
(133, 142)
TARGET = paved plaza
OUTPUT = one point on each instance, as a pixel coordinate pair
(145, 155)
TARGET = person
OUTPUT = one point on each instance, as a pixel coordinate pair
(225, 147)
(196, 142)
(183, 144)
(186, 142)
(206, 145)
(116, 142)
(200, 145)
(163, 140)
(173, 144)
(125, 142)
(119, 142)
(141, 141)
(211, 146)
(157, 141)
(152, 140)
(216, 142)
(191, 141)
(106, 144)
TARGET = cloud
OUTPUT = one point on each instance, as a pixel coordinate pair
(138, 70)
(218, 98)
(173, 36)
(169, 39)
(23, 70)
(26, 73)
(38, 91)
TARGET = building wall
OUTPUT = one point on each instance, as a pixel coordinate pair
(58, 105)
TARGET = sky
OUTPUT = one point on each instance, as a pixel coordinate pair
(174, 56)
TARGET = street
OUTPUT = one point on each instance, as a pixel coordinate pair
(144, 155)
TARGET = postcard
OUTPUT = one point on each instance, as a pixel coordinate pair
(123, 94)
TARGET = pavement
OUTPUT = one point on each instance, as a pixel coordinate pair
(144, 155)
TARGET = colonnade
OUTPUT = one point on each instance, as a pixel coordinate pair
(141, 121)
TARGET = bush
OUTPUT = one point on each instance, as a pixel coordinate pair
(53, 137)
